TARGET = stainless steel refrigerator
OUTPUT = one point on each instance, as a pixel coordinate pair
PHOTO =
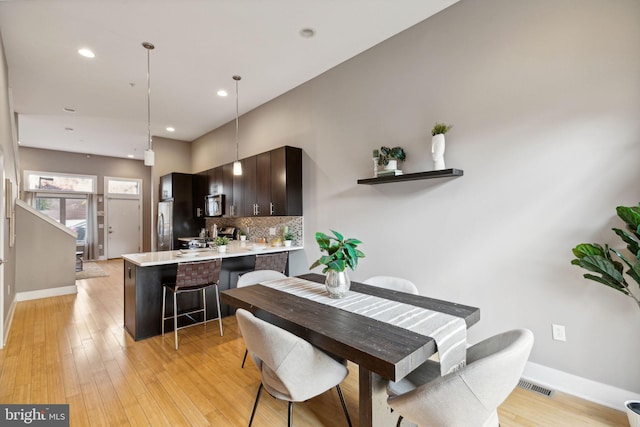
(165, 226)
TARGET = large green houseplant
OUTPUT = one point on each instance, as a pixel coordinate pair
(340, 254)
(607, 263)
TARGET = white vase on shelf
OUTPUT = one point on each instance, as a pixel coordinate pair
(392, 165)
(437, 151)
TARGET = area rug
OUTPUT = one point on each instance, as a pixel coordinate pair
(90, 270)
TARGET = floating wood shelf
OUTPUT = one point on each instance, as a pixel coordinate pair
(444, 173)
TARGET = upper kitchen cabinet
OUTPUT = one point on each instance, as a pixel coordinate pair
(272, 183)
(286, 181)
(176, 185)
(200, 191)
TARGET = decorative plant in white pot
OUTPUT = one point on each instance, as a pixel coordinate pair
(389, 157)
(221, 243)
(438, 145)
(340, 254)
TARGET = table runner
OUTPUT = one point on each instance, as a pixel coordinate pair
(449, 332)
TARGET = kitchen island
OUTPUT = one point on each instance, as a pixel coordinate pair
(144, 274)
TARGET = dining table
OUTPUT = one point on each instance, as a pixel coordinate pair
(382, 350)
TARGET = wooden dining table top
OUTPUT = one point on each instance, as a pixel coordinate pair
(390, 351)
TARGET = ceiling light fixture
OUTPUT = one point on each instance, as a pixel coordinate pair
(149, 155)
(170, 129)
(237, 166)
(86, 53)
(307, 33)
(222, 93)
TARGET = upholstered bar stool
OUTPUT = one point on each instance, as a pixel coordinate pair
(192, 277)
(276, 262)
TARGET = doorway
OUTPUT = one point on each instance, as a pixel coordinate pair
(123, 216)
(123, 227)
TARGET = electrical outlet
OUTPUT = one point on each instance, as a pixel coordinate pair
(272, 231)
(558, 333)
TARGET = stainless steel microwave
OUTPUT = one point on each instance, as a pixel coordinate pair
(214, 205)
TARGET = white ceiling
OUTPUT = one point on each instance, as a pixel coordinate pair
(200, 45)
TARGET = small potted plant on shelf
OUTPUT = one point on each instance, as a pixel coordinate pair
(437, 144)
(288, 238)
(340, 254)
(221, 243)
(389, 157)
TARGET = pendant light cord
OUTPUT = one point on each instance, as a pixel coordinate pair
(149, 47)
(237, 78)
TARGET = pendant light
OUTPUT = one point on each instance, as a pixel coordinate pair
(149, 155)
(237, 166)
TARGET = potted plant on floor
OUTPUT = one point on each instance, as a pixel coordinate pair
(340, 254)
(608, 265)
(221, 243)
(600, 260)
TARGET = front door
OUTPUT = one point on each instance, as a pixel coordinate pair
(123, 227)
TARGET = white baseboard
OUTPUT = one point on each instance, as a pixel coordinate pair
(46, 293)
(583, 388)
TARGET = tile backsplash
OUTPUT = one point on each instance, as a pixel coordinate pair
(261, 227)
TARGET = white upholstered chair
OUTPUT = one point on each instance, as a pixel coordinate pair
(254, 277)
(395, 283)
(291, 369)
(469, 396)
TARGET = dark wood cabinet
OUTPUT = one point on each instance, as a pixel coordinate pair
(286, 181)
(270, 184)
(200, 190)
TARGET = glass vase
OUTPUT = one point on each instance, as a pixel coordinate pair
(337, 283)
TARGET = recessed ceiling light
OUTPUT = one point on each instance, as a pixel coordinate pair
(86, 53)
(307, 33)
(222, 92)
(131, 156)
(68, 110)
(170, 129)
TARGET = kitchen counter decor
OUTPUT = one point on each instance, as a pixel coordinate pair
(340, 254)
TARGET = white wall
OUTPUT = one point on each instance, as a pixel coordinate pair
(545, 99)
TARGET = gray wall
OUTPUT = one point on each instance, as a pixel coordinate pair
(38, 266)
(8, 147)
(64, 162)
(544, 98)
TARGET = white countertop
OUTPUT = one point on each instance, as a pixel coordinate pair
(234, 249)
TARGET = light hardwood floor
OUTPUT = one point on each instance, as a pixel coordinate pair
(73, 349)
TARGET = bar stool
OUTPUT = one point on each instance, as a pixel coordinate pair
(276, 262)
(192, 277)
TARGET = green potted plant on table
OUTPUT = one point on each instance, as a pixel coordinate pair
(340, 254)
(221, 243)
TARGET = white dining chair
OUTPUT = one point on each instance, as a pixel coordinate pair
(254, 277)
(391, 282)
(291, 369)
(470, 395)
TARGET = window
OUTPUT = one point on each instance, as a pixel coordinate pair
(119, 187)
(58, 182)
(69, 210)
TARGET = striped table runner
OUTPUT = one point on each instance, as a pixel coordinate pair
(449, 332)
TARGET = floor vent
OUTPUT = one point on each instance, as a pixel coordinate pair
(527, 385)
